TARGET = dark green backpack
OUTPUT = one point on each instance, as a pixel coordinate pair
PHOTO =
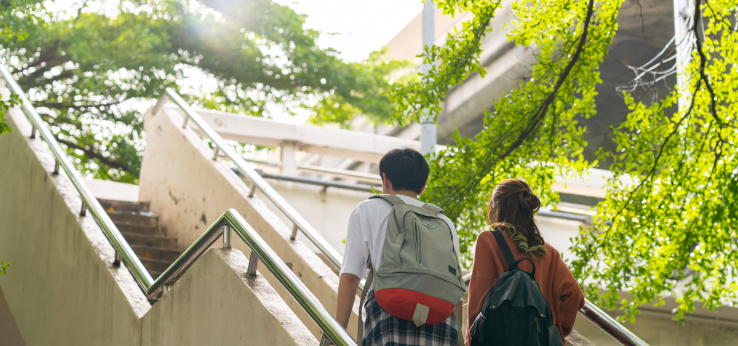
(514, 311)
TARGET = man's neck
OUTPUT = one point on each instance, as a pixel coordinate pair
(409, 193)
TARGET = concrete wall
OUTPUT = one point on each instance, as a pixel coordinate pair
(188, 191)
(216, 303)
(63, 290)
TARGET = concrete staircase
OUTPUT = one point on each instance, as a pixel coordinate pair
(141, 230)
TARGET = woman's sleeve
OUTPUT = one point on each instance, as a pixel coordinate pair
(482, 278)
(571, 298)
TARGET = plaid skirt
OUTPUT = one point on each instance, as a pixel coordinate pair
(383, 329)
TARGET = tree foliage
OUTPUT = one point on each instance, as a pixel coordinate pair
(89, 66)
(667, 225)
(10, 33)
(532, 132)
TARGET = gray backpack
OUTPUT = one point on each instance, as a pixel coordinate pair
(419, 278)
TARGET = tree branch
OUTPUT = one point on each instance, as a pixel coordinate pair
(541, 111)
(538, 117)
(94, 155)
(60, 105)
(64, 75)
(79, 12)
(39, 72)
(651, 171)
(703, 77)
(48, 54)
(703, 62)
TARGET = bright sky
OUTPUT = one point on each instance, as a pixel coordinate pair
(356, 27)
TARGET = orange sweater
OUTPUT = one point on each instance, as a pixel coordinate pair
(557, 284)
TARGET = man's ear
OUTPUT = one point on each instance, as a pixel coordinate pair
(423, 189)
(386, 184)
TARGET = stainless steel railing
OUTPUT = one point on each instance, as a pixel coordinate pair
(590, 311)
(229, 222)
(122, 250)
(257, 182)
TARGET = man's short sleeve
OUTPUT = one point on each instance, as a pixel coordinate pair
(355, 254)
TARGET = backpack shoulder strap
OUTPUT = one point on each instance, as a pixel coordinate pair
(432, 209)
(367, 284)
(391, 199)
(505, 249)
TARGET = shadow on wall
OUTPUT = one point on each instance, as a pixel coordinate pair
(8, 329)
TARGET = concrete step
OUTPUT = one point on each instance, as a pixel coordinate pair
(147, 252)
(143, 219)
(152, 240)
(155, 266)
(139, 229)
(124, 206)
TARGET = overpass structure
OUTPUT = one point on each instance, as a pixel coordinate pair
(645, 28)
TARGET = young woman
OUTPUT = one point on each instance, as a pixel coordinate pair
(510, 212)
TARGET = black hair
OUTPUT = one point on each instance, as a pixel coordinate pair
(405, 168)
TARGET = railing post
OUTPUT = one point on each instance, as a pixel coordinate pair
(325, 340)
(184, 124)
(118, 259)
(253, 263)
(83, 212)
(252, 189)
(289, 161)
(33, 132)
(56, 167)
(215, 154)
(165, 289)
(293, 236)
(226, 236)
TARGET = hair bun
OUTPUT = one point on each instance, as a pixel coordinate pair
(533, 202)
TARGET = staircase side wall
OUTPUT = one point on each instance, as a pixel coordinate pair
(62, 289)
(216, 303)
(189, 191)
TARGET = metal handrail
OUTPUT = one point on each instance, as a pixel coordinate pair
(590, 311)
(257, 181)
(232, 220)
(123, 251)
(229, 221)
(311, 181)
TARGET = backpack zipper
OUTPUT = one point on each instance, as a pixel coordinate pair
(416, 230)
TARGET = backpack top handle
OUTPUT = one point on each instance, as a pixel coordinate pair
(509, 256)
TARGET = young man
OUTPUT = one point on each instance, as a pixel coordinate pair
(404, 174)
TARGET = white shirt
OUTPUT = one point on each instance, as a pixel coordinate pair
(366, 230)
